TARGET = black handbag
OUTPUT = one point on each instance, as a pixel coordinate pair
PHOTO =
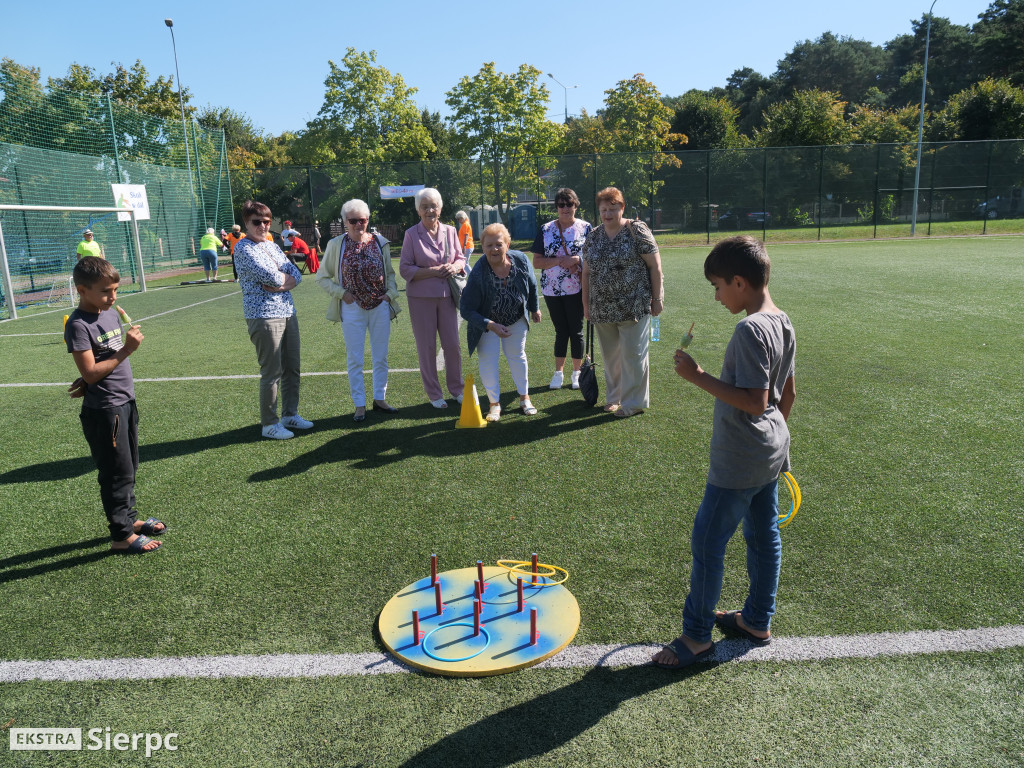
(588, 371)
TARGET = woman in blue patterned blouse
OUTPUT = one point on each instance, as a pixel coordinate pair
(498, 302)
(267, 278)
(556, 252)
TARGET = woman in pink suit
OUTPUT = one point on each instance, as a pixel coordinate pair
(430, 255)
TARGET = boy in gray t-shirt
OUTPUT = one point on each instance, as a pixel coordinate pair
(110, 419)
(749, 450)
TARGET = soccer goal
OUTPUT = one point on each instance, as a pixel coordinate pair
(38, 251)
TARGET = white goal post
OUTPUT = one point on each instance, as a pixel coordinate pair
(5, 272)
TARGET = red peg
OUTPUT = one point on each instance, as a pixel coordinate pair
(533, 626)
(415, 627)
(533, 560)
(433, 569)
(437, 597)
(519, 590)
(480, 574)
(477, 591)
(476, 618)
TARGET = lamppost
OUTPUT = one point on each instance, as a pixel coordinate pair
(565, 93)
(920, 125)
(184, 130)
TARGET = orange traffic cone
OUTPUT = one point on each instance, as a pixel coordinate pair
(470, 417)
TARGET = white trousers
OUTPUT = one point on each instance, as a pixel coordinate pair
(514, 347)
(624, 350)
(355, 322)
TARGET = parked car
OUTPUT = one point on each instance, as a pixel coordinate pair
(744, 218)
(1001, 206)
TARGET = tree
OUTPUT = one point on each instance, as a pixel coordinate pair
(638, 119)
(842, 65)
(991, 109)
(951, 63)
(502, 120)
(809, 118)
(751, 93)
(586, 135)
(24, 102)
(707, 122)
(872, 125)
(368, 115)
(129, 87)
(1000, 39)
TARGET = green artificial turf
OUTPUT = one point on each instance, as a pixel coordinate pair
(906, 444)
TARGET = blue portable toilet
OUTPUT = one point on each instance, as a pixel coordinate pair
(523, 222)
(480, 218)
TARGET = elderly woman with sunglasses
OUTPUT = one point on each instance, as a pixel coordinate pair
(357, 274)
(267, 277)
(556, 252)
(430, 255)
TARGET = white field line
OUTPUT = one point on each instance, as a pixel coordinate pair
(786, 649)
(140, 320)
(204, 378)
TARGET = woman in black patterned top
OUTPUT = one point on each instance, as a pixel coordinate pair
(622, 290)
(498, 302)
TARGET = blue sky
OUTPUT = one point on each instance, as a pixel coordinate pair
(269, 59)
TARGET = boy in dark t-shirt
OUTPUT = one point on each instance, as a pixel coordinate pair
(749, 450)
(109, 417)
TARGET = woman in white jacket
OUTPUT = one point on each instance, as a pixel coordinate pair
(356, 272)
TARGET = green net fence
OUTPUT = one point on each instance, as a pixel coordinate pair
(61, 148)
(782, 193)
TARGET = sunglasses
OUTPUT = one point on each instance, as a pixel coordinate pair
(354, 222)
(260, 222)
(565, 205)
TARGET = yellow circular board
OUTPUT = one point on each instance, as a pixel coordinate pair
(447, 643)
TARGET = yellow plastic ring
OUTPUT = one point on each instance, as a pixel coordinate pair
(797, 496)
(519, 566)
(516, 565)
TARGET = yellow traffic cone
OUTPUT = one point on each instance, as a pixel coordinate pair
(470, 417)
(66, 319)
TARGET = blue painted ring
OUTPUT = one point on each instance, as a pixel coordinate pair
(455, 624)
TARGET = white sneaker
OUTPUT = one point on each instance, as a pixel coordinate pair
(556, 380)
(575, 379)
(296, 422)
(277, 432)
(439, 403)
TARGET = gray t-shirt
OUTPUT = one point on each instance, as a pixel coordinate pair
(102, 334)
(748, 451)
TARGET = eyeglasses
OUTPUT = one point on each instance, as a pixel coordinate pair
(565, 205)
(260, 222)
(355, 222)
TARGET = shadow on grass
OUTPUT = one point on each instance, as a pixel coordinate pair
(66, 469)
(8, 571)
(535, 727)
(423, 436)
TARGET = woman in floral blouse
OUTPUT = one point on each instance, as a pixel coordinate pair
(357, 274)
(267, 279)
(556, 252)
(622, 290)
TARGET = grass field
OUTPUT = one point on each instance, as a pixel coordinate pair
(906, 442)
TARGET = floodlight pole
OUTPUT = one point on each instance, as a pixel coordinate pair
(920, 125)
(565, 95)
(184, 130)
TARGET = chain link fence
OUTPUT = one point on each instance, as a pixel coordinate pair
(781, 193)
(63, 148)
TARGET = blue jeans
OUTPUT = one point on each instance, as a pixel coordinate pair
(719, 515)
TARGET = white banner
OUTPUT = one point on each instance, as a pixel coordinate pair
(393, 193)
(131, 196)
